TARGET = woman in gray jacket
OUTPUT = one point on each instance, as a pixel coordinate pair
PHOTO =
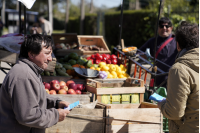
(25, 107)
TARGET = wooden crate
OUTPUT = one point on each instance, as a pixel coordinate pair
(81, 124)
(69, 38)
(141, 119)
(9, 57)
(117, 88)
(83, 98)
(93, 40)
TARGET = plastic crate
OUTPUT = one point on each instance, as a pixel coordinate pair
(163, 92)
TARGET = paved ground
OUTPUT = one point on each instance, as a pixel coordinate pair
(2, 74)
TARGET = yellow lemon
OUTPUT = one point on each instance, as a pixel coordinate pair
(110, 76)
(105, 68)
(113, 73)
(121, 76)
(101, 64)
(98, 69)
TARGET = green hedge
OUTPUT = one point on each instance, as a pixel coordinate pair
(137, 27)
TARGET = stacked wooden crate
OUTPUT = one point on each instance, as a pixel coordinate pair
(134, 116)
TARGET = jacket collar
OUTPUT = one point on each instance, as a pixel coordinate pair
(32, 65)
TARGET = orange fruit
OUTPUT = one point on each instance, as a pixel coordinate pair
(92, 68)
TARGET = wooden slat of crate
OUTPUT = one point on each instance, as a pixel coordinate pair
(83, 98)
(110, 80)
(65, 38)
(99, 91)
(63, 52)
(93, 40)
(8, 57)
(69, 38)
(151, 116)
(121, 90)
(80, 124)
(133, 128)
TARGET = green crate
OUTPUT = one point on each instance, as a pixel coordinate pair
(165, 124)
(163, 92)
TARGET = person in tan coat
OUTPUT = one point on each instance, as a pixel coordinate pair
(181, 105)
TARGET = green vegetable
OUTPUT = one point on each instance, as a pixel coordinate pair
(89, 63)
(67, 67)
(61, 60)
(58, 65)
(46, 73)
(66, 58)
(61, 73)
(79, 61)
(72, 62)
(73, 56)
(63, 69)
(95, 65)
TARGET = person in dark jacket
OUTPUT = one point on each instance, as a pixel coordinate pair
(181, 106)
(25, 106)
(168, 53)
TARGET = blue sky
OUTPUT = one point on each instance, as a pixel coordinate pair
(99, 3)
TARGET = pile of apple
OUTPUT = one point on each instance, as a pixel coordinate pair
(69, 87)
(107, 58)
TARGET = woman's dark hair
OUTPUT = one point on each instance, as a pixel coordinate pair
(33, 43)
(165, 20)
(187, 35)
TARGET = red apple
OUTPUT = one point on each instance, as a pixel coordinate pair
(114, 61)
(66, 88)
(54, 81)
(72, 86)
(78, 92)
(113, 57)
(62, 84)
(97, 61)
(62, 91)
(80, 87)
(71, 91)
(108, 61)
(52, 92)
(92, 56)
(47, 90)
(69, 82)
(108, 56)
(47, 86)
(44, 83)
(55, 86)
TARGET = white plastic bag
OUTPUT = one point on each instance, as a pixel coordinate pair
(28, 3)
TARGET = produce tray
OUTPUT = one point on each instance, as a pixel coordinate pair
(147, 117)
(93, 40)
(104, 92)
(69, 38)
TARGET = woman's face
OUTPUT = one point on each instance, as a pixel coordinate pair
(43, 58)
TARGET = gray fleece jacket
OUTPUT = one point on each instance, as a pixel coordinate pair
(25, 107)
